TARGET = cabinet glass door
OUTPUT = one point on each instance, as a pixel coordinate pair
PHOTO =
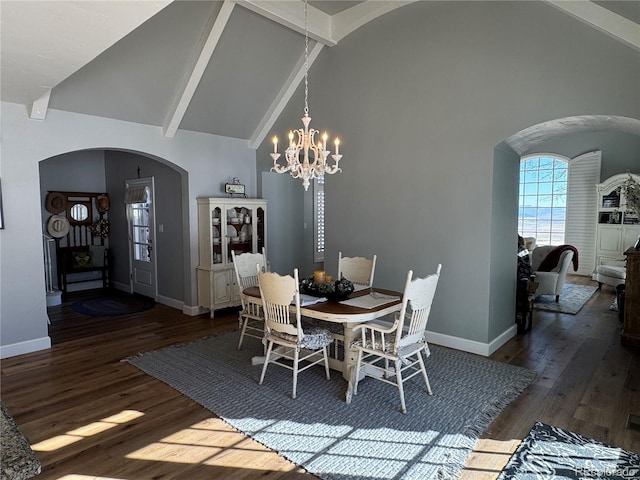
(217, 235)
(260, 228)
(239, 230)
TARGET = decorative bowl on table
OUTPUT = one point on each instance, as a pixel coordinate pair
(338, 290)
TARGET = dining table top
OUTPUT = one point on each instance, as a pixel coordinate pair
(333, 311)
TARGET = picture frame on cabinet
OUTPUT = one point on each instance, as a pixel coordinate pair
(235, 189)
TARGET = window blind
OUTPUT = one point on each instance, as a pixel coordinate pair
(136, 195)
(582, 211)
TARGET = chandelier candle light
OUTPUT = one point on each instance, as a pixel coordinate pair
(305, 140)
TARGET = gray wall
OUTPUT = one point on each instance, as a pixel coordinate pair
(290, 232)
(421, 98)
(210, 160)
(501, 285)
(283, 218)
(169, 243)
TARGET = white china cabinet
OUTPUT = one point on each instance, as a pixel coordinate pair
(617, 228)
(226, 224)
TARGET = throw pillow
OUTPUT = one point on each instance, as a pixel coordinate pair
(81, 260)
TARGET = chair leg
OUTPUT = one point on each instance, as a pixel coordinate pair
(557, 298)
(296, 360)
(424, 373)
(242, 332)
(326, 362)
(356, 375)
(403, 407)
(266, 362)
(599, 285)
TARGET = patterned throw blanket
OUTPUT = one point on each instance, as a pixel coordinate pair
(18, 461)
(553, 257)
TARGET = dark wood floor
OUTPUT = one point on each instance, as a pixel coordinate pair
(89, 415)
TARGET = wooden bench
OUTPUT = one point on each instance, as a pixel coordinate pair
(83, 259)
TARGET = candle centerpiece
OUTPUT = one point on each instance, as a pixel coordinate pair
(334, 290)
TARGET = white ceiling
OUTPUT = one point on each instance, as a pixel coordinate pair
(220, 67)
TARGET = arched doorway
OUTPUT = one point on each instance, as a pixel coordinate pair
(106, 170)
(595, 146)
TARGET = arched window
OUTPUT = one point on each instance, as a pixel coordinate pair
(542, 205)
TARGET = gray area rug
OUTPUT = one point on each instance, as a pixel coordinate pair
(367, 439)
(572, 299)
(552, 453)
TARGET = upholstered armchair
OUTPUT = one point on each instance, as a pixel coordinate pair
(610, 272)
(551, 282)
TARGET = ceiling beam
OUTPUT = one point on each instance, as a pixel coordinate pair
(283, 97)
(614, 25)
(345, 22)
(291, 15)
(40, 106)
(208, 42)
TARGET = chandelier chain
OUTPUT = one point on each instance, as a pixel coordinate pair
(306, 62)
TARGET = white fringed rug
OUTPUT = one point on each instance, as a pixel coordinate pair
(367, 439)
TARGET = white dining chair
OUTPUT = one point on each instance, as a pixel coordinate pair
(358, 270)
(278, 294)
(251, 319)
(394, 354)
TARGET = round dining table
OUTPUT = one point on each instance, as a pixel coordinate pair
(332, 310)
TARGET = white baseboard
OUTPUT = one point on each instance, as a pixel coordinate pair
(21, 348)
(170, 302)
(500, 340)
(193, 311)
(471, 346)
(125, 287)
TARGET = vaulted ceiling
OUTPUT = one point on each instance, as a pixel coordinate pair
(220, 67)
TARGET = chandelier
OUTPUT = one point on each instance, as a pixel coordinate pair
(305, 139)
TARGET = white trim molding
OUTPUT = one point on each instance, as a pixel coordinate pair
(471, 346)
(603, 19)
(21, 348)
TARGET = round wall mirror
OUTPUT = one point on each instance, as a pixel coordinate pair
(79, 212)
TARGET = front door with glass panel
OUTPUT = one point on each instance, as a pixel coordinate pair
(140, 215)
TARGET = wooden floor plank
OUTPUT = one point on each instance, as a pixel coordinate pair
(92, 416)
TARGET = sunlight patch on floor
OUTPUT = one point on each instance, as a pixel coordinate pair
(488, 458)
(210, 442)
(93, 428)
